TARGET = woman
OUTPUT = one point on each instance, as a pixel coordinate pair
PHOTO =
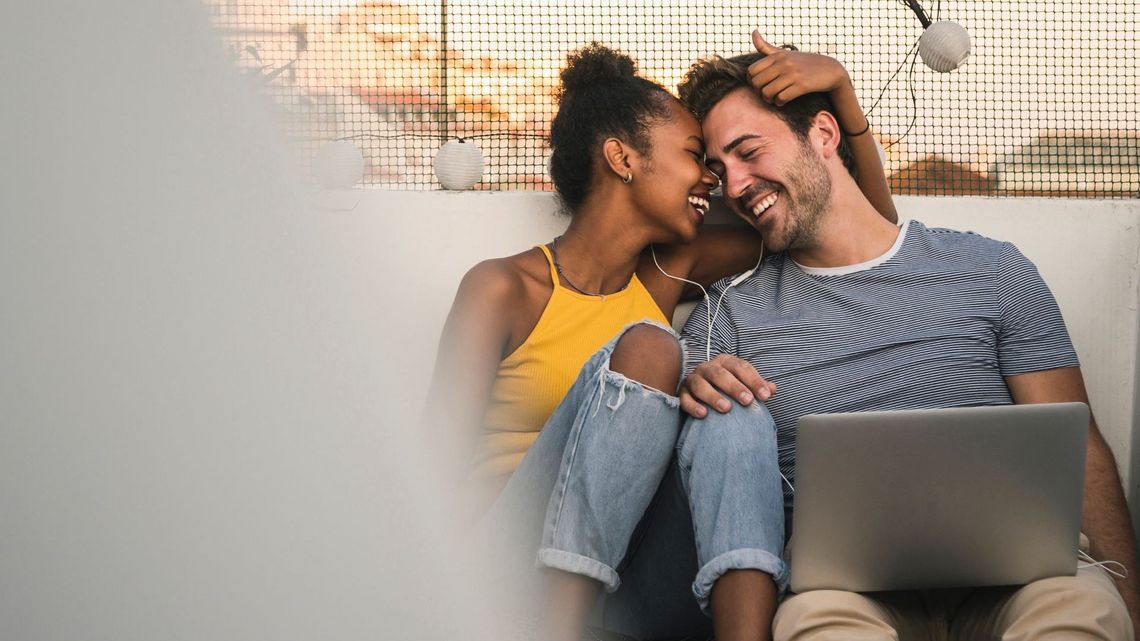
(627, 162)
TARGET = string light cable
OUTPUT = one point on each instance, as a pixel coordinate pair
(912, 58)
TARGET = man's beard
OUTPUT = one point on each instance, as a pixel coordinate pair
(808, 179)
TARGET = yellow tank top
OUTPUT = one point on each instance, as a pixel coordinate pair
(533, 379)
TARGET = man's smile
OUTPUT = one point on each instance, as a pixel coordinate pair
(764, 203)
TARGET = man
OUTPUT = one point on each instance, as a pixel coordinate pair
(853, 313)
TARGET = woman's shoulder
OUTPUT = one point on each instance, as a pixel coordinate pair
(509, 292)
(508, 277)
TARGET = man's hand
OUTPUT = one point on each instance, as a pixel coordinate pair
(783, 75)
(728, 375)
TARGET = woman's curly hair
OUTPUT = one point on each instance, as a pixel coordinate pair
(600, 96)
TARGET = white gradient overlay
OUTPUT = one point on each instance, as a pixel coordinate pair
(196, 439)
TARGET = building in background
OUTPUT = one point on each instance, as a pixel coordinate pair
(371, 72)
(938, 176)
(1090, 164)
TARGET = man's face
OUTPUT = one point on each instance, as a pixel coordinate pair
(772, 178)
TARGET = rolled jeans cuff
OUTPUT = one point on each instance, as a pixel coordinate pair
(741, 559)
(582, 565)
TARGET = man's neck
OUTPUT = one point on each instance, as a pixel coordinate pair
(851, 231)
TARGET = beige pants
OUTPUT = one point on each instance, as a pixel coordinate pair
(1070, 608)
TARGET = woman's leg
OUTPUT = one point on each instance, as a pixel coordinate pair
(577, 569)
(718, 516)
(655, 600)
(588, 479)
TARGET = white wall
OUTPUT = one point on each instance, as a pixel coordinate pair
(1088, 251)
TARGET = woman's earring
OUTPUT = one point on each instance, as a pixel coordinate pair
(628, 178)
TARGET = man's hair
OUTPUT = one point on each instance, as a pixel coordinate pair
(708, 81)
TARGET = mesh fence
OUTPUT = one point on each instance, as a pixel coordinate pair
(1044, 105)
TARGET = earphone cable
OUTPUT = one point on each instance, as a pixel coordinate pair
(708, 302)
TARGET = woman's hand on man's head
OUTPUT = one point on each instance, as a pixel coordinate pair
(783, 75)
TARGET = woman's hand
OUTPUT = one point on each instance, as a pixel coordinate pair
(783, 75)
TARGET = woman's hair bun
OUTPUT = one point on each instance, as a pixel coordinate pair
(595, 64)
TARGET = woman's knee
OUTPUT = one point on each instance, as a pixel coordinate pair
(649, 355)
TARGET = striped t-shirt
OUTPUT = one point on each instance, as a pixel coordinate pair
(937, 321)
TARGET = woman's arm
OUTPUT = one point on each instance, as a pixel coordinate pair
(868, 168)
(783, 75)
(470, 350)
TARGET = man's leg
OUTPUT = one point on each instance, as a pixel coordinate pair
(835, 615)
(731, 473)
(1069, 608)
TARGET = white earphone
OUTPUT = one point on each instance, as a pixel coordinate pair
(712, 317)
(733, 283)
(743, 277)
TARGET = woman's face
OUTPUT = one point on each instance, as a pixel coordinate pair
(674, 184)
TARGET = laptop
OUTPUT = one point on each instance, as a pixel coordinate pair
(923, 499)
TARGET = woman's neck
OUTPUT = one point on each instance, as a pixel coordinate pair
(600, 250)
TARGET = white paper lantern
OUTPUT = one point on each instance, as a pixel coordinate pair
(944, 46)
(338, 165)
(458, 164)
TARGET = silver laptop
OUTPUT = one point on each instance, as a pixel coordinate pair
(938, 498)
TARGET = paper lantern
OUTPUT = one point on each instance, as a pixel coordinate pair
(944, 46)
(458, 164)
(338, 165)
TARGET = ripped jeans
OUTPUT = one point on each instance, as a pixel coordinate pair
(619, 488)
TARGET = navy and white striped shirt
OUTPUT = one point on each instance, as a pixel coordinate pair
(937, 321)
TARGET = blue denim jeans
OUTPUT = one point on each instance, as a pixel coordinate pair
(732, 479)
(619, 488)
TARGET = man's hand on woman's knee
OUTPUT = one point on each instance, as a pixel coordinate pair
(724, 376)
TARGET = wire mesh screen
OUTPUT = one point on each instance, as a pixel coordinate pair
(1043, 106)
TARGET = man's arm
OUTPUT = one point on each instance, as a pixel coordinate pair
(1105, 518)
